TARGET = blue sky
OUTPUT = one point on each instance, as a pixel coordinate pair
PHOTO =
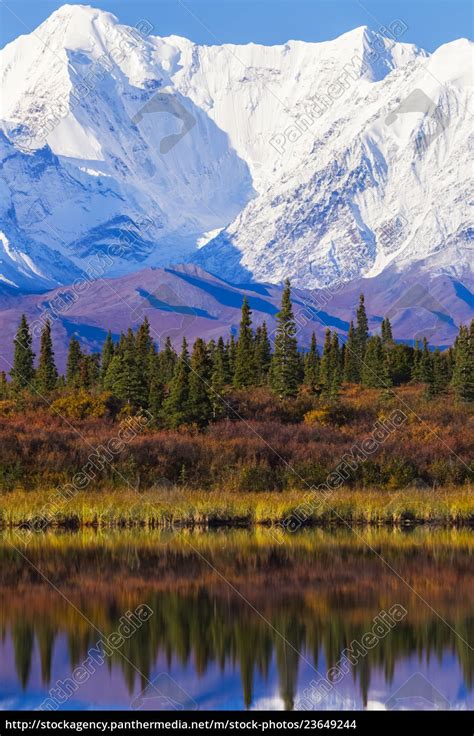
(430, 22)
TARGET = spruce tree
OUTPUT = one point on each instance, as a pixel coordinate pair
(361, 334)
(74, 359)
(134, 380)
(221, 354)
(219, 379)
(143, 349)
(113, 378)
(263, 354)
(335, 368)
(3, 386)
(351, 357)
(199, 402)
(325, 377)
(46, 375)
(156, 387)
(450, 362)
(211, 349)
(311, 366)
(440, 373)
(387, 336)
(286, 365)
(89, 371)
(426, 368)
(175, 406)
(463, 371)
(231, 352)
(399, 363)
(167, 361)
(108, 351)
(245, 374)
(124, 377)
(374, 369)
(23, 371)
(416, 373)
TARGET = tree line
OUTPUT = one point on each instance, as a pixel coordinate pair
(188, 387)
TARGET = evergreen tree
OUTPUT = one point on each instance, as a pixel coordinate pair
(417, 373)
(108, 351)
(244, 374)
(351, 357)
(113, 378)
(124, 376)
(222, 355)
(374, 369)
(426, 362)
(144, 347)
(175, 406)
(325, 377)
(387, 336)
(450, 363)
(3, 386)
(335, 368)
(361, 334)
(286, 366)
(463, 371)
(426, 369)
(399, 363)
(219, 379)
(211, 349)
(89, 371)
(46, 375)
(74, 359)
(167, 362)
(263, 354)
(231, 352)
(199, 402)
(311, 366)
(23, 372)
(156, 387)
(440, 373)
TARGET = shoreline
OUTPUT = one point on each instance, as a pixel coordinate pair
(286, 511)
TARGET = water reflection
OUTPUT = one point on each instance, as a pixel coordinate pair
(238, 620)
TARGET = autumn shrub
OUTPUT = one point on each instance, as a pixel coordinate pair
(250, 478)
(336, 414)
(434, 445)
(81, 405)
(7, 407)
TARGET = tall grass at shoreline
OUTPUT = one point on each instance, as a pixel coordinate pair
(110, 509)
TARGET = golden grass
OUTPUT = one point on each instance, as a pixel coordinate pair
(449, 506)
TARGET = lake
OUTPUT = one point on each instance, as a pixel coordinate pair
(237, 619)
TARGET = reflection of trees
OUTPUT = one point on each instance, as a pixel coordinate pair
(23, 639)
(203, 628)
(319, 591)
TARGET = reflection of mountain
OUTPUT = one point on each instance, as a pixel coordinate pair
(313, 596)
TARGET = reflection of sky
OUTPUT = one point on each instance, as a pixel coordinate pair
(222, 690)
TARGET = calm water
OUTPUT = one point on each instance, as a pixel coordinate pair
(237, 619)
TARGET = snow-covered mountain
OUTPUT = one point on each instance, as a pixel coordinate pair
(319, 161)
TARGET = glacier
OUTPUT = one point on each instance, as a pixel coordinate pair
(323, 162)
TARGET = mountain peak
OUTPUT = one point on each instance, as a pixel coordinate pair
(306, 158)
(79, 12)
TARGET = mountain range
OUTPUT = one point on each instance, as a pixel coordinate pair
(343, 165)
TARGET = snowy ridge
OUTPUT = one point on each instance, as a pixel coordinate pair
(133, 149)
